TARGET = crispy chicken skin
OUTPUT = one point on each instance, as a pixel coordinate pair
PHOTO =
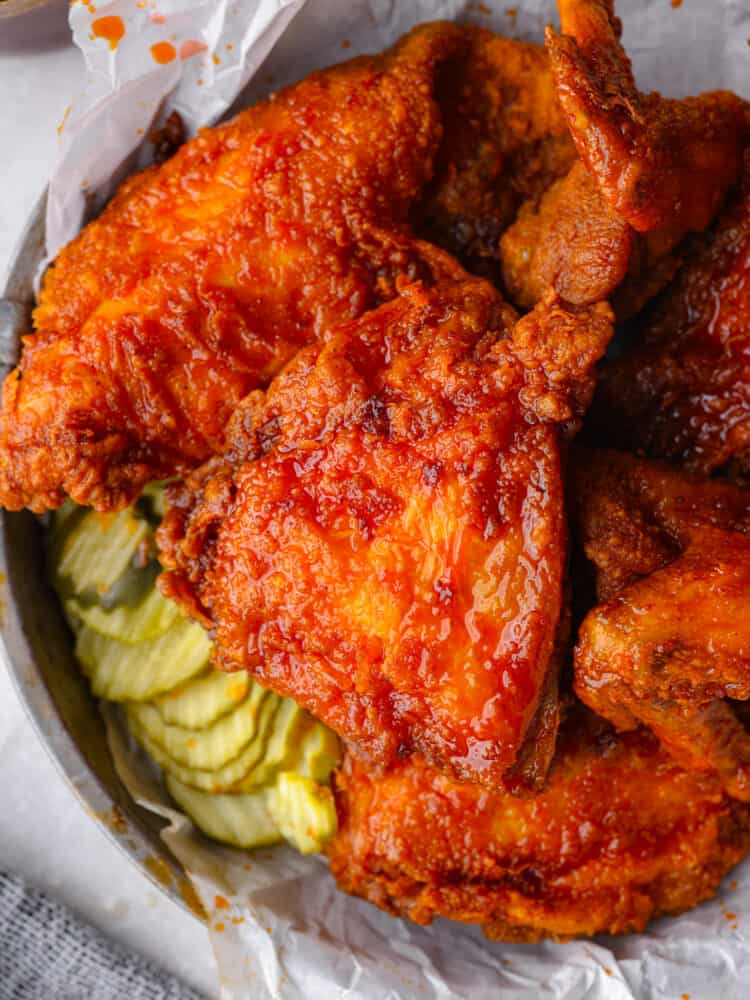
(384, 539)
(205, 275)
(653, 170)
(505, 140)
(661, 164)
(619, 835)
(683, 391)
(670, 641)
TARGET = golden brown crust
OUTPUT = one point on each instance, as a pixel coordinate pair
(681, 392)
(619, 835)
(384, 539)
(669, 643)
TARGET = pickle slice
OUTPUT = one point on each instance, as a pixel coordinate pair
(203, 699)
(303, 810)
(205, 749)
(91, 551)
(319, 755)
(120, 671)
(283, 746)
(225, 777)
(240, 820)
(146, 620)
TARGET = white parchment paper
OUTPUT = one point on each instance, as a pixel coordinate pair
(287, 932)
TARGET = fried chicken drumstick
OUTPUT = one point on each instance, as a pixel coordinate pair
(620, 834)
(384, 538)
(669, 645)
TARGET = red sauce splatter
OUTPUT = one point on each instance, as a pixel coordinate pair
(111, 28)
(163, 52)
(188, 49)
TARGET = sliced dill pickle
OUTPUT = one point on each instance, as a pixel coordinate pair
(225, 777)
(320, 754)
(91, 551)
(303, 810)
(203, 699)
(130, 624)
(205, 749)
(240, 820)
(121, 671)
(283, 746)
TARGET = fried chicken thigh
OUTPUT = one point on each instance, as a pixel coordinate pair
(620, 834)
(669, 646)
(384, 538)
(652, 170)
(205, 275)
(683, 391)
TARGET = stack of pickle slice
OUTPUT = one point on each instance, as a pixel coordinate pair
(249, 767)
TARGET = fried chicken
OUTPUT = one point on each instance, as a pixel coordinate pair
(656, 169)
(669, 644)
(384, 539)
(505, 140)
(619, 835)
(205, 275)
(683, 391)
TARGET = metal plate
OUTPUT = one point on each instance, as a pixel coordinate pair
(38, 646)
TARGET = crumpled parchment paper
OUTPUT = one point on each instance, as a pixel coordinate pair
(287, 932)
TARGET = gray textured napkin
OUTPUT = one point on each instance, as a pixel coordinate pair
(46, 953)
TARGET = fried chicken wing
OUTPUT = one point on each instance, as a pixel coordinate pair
(670, 642)
(620, 834)
(384, 538)
(661, 164)
(655, 169)
(683, 391)
(205, 275)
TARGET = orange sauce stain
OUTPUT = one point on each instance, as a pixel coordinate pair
(156, 18)
(110, 28)
(219, 927)
(191, 48)
(163, 52)
(61, 126)
(730, 916)
(190, 897)
(685, 996)
(346, 44)
(230, 46)
(484, 8)
(216, 59)
(221, 904)
(160, 870)
(511, 12)
(676, 4)
(733, 884)
(238, 920)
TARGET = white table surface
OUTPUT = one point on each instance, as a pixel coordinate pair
(44, 832)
